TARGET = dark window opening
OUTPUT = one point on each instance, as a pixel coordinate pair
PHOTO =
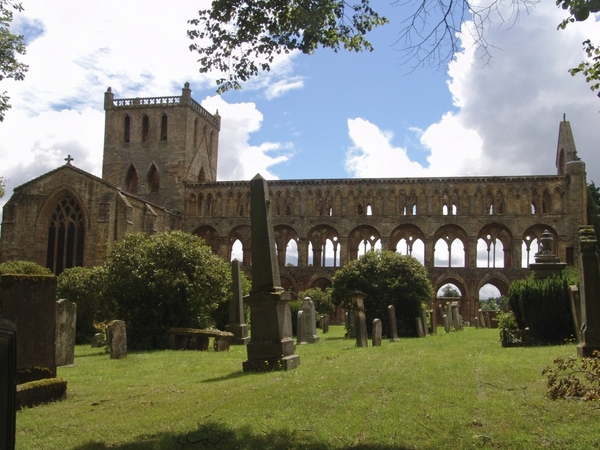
(66, 237)
(163, 127)
(153, 179)
(145, 128)
(131, 180)
(127, 129)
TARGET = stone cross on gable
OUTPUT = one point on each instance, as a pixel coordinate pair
(68, 159)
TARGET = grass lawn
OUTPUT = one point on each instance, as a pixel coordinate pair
(457, 390)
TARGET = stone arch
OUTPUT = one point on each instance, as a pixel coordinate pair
(465, 203)
(546, 201)
(535, 207)
(437, 206)
(230, 204)
(283, 235)
(297, 203)
(290, 285)
(525, 203)
(410, 234)
(531, 240)
(500, 281)
(320, 281)
(241, 233)
(449, 234)
(309, 203)
(511, 206)
(322, 237)
(402, 203)
(413, 203)
(451, 278)
(131, 179)
(192, 205)
(337, 203)
(378, 208)
(479, 202)
(153, 179)
(500, 202)
(363, 234)
(490, 234)
(210, 236)
(557, 200)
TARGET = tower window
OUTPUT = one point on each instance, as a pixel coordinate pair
(153, 179)
(131, 180)
(127, 129)
(163, 127)
(145, 128)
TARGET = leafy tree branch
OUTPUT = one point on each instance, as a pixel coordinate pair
(11, 45)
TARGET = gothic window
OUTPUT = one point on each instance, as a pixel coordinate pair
(153, 179)
(163, 127)
(66, 236)
(201, 175)
(546, 202)
(131, 180)
(145, 128)
(127, 129)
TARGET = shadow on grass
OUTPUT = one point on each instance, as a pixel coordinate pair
(216, 436)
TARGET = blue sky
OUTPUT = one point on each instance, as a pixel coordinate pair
(327, 115)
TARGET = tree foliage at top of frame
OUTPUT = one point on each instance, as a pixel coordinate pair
(11, 45)
(241, 38)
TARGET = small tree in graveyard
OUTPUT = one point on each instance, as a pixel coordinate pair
(387, 278)
(84, 287)
(321, 298)
(166, 280)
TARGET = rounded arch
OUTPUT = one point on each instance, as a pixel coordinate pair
(283, 235)
(487, 246)
(531, 240)
(326, 247)
(410, 240)
(451, 278)
(210, 236)
(453, 235)
(240, 233)
(50, 204)
(366, 235)
(320, 281)
(497, 280)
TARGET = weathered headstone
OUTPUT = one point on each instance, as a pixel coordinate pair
(376, 341)
(446, 323)
(433, 318)
(300, 329)
(98, 340)
(117, 339)
(8, 384)
(359, 324)
(31, 302)
(481, 319)
(455, 316)
(488, 322)
(393, 326)
(424, 322)
(310, 321)
(590, 293)
(546, 264)
(325, 323)
(271, 346)
(350, 331)
(575, 310)
(237, 324)
(420, 330)
(476, 322)
(66, 318)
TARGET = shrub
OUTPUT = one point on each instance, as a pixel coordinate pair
(161, 281)
(387, 278)
(21, 268)
(564, 378)
(321, 298)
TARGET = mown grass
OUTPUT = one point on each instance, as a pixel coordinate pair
(457, 390)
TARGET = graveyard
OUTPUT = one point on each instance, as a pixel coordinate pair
(450, 390)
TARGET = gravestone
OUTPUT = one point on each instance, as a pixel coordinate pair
(8, 384)
(546, 264)
(420, 330)
(590, 293)
(393, 326)
(310, 321)
(117, 339)
(300, 329)
(446, 323)
(66, 317)
(271, 346)
(31, 302)
(476, 322)
(350, 331)
(424, 322)
(359, 324)
(433, 317)
(455, 315)
(376, 341)
(488, 322)
(98, 340)
(325, 323)
(575, 301)
(237, 324)
(481, 319)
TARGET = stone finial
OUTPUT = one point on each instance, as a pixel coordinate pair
(108, 99)
(186, 94)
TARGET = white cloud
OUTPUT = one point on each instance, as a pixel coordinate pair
(279, 88)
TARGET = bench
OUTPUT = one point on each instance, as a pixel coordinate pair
(195, 339)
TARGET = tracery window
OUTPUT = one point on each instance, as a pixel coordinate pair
(66, 236)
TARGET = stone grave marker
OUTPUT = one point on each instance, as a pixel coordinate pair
(376, 341)
(117, 339)
(360, 320)
(481, 319)
(310, 321)
(98, 340)
(420, 330)
(325, 323)
(488, 322)
(271, 346)
(66, 318)
(237, 324)
(575, 310)
(433, 317)
(301, 329)
(476, 322)
(424, 322)
(8, 384)
(590, 293)
(446, 323)
(393, 326)
(455, 315)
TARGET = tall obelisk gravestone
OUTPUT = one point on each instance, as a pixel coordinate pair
(271, 346)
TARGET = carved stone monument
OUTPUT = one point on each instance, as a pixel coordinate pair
(8, 384)
(300, 328)
(310, 321)
(590, 293)
(546, 263)
(376, 341)
(117, 339)
(66, 317)
(271, 346)
(359, 324)
(237, 325)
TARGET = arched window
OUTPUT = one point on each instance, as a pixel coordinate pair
(153, 179)
(131, 180)
(145, 128)
(66, 236)
(127, 129)
(163, 127)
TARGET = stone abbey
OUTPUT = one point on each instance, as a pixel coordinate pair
(159, 174)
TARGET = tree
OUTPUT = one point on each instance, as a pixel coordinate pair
(593, 207)
(321, 299)
(244, 36)
(2, 187)
(449, 291)
(166, 280)
(387, 278)
(11, 45)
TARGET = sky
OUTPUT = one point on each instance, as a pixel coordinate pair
(326, 115)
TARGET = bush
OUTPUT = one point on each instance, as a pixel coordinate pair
(387, 278)
(21, 268)
(84, 286)
(321, 298)
(166, 280)
(543, 307)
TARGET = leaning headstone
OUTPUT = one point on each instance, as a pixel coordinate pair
(575, 310)
(325, 323)
(455, 316)
(376, 341)
(117, 339)
(237, 324)
(8, 384)
(310, 321)
(481, 319)
(420, 330)
(98, 340)
(301, 329)
(31, 302)
(360, 319)
(590, 293)
(66, 317)
(424, 322)
(446, 323)
(393, 326)
(271, 346)
(433, 319)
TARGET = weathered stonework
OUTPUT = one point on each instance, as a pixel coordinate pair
(159, 173)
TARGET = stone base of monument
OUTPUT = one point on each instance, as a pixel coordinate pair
(268, 365)
(240, 334)
(587, 351)
(39, 392)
